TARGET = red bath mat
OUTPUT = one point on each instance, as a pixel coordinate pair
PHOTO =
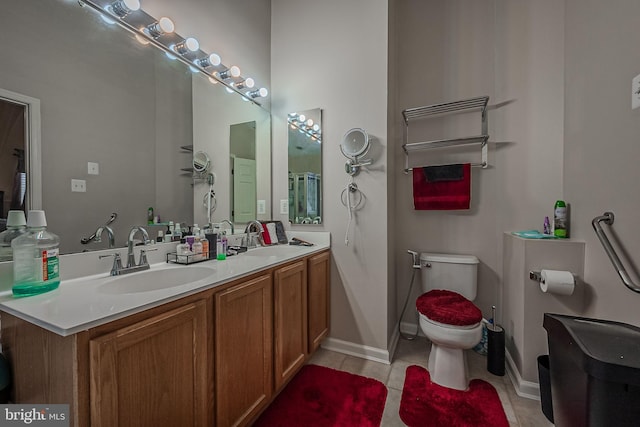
(427, 404)
(319, 396)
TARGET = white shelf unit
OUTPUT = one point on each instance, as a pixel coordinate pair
(430, 111)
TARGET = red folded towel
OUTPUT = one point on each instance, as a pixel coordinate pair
(265, 234)
(442, 194)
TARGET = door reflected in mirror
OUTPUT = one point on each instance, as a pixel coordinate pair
(243, 170)
(305, 166)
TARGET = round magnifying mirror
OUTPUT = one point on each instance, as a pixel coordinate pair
(355, 143)
(201, 162)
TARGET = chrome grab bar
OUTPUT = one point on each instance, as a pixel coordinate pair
(608, 218)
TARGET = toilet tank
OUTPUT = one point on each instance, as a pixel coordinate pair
(458, 273)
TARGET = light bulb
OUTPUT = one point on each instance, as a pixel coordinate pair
(229, 89)
(163, 26)
(302, 118)
(213, 81)
(309, 123)
(246, 83)
(234, 72)
(122, 8)
(316, 127)
(188, 45)
(212, 60)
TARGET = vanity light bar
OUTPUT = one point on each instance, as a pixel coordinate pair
(160, 33)
(305, 126)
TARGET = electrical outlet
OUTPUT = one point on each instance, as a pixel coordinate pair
(635, 92)
(93, 168)
(262, 207)
(78, 186)
(284, 206)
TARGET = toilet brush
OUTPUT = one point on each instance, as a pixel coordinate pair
(495, 344)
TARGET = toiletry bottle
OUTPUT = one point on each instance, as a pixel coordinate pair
(16, 227)
(177, 232)
(150, 216)
(546, 227)
(168, 236)
(205, 245)
(197, 249)
(221, 252)
(183, 252)
(560, 219)
(160, 237)
(36, 267)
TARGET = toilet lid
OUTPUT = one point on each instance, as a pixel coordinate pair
(448, 307)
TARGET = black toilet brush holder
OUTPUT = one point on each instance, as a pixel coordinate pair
(495, 346)
(495, 350)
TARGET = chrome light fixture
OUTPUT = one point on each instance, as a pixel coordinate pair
(160, 33)
(163, 26)
(188, 45)
(212, 60)
(122, 8)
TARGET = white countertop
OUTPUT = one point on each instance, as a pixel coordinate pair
(85, 302)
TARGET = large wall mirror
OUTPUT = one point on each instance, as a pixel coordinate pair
(124, 107)
(305, 166)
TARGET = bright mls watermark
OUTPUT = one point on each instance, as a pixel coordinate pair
(34, 415)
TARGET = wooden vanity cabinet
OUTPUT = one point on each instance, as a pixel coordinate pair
(243, 350)
(218, 357)
(290, 320)
(318, 295)
(152, 372)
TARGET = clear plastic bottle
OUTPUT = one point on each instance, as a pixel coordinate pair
(36, 266)
(16, 227)
(221, 247)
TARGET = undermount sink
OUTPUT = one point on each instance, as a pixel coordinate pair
(153, 280)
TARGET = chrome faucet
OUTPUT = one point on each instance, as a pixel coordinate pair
(131, 261)
(110, 235)
(131, 267)
(249, 240)
(230, 225)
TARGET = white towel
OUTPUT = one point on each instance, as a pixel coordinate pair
(271, 229)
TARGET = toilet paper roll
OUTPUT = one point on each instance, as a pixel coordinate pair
(557, 282)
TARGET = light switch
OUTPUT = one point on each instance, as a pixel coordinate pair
(78, 186)
(93, 168)
(635, 92)
(284, 206)
(262, 207)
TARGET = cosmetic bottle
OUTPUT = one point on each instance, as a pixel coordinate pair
(36, 266)
(16, 227)
(150, 216)
(221, 250)
(196, 248)
(183, 252)
(177, 232)
(205, 245)
(560, 219)
(160, 237)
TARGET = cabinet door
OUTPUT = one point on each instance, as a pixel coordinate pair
(318, 301)
(290, 329)
(153, 372)
(243, 351)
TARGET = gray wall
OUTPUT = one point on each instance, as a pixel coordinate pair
(601, 147)
(347, 78)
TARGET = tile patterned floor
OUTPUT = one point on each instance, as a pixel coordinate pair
(520, 412)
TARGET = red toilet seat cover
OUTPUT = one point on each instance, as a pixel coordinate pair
(448, 307)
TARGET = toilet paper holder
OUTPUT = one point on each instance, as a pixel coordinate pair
(535, 275)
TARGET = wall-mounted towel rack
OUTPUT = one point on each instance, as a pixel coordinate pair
(429, 111)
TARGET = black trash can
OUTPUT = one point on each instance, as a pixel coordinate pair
(544, 378)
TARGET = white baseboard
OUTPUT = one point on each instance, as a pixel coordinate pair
(527, 389)
(358, 350)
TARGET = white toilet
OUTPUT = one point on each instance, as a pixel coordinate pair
(447, 316)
